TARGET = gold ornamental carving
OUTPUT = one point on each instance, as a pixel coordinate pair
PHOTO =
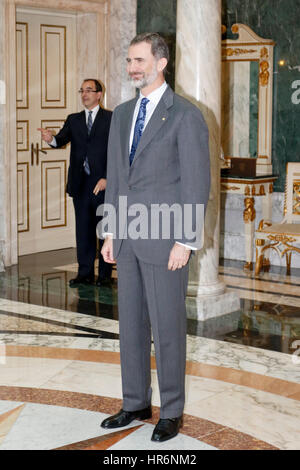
(248, 265)
(229, 51)
(253, 192)
(281, 238)
(264, 53)
(271, 188)
(264, 73)
(262, 190)
(281, 244)
(247, 191)
(296, 197)
(226, 187)
(262, 224)
(249, 212)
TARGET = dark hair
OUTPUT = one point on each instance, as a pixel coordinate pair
(96, 82)
(159, 47)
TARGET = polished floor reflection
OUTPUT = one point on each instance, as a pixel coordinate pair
(269, 317)
(60, 364)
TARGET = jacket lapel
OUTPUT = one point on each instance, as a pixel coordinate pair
(158, 119)
(126, 123)
(82, 122)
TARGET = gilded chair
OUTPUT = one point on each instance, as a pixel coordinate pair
(285, 235)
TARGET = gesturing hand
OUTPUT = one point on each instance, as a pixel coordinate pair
(47, 135)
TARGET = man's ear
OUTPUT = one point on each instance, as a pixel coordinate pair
(161, 64)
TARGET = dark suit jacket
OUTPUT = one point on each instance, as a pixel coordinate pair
(94, 146)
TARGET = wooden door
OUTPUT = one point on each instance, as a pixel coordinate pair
(46, 94)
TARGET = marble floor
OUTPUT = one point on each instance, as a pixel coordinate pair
(60, 364)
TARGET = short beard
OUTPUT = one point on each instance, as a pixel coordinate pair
(145, 81)
(142, 83)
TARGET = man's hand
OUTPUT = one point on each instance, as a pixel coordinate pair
(107, 250)
(47, 135)
(179, 256)
(100, 186)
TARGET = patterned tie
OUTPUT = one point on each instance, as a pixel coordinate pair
(138, 129)
(86, 165)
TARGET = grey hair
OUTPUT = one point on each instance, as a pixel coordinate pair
(159, 47)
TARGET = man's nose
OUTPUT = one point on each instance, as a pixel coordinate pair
(131, 67)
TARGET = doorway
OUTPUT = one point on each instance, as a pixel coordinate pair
(92, 26)
(46, 82)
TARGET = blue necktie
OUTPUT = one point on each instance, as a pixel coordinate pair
(86, 165)
(138, 128)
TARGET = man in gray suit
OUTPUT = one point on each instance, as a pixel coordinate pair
(157, 154)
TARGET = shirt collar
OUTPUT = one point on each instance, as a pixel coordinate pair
(155, 95)
(94, 110)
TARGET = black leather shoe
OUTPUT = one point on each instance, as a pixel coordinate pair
(166, 429)
(126, 417)
(81, 280)
(106, 282)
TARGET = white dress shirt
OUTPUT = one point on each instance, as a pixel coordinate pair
(154, 99)
(94, 114)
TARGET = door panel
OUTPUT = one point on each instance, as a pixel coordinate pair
(23, 196)
(53, 68)
(46, 94)
(22, 65)
(53, 201)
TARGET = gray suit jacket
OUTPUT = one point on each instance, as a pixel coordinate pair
(171, 166)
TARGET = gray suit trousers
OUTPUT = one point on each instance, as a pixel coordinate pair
(151, 296)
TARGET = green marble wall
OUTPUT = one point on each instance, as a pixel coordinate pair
(253, 102)
(275, 19)
(160, 16)
(278, 20)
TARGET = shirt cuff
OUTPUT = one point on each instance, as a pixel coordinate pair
(105, 234)
(53, 142)
(187, 246)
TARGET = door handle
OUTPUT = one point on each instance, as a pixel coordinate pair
(37, 153)
(32, 154)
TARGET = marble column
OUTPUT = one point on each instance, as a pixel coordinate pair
(2, 127)
(122, 30)
(7, 250)
(198, 78)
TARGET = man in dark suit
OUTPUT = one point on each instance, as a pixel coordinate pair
(88, 133)
(157, 156)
